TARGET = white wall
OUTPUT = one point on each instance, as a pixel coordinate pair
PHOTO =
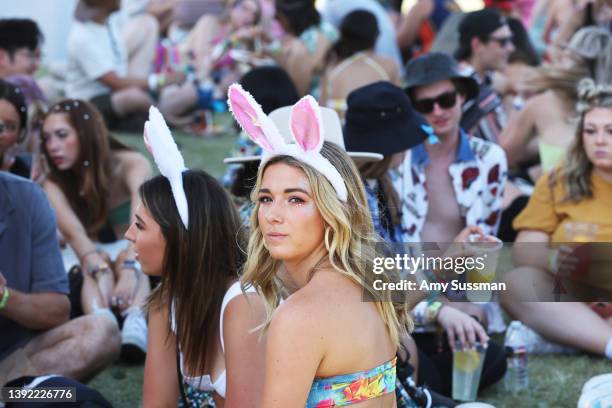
(53, 17)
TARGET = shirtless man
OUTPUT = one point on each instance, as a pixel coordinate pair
(452, 181)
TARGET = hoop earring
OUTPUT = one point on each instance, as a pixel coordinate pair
(327, 239)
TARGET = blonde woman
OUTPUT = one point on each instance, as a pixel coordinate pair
(545, 127)
(311, 236)
(578, 191)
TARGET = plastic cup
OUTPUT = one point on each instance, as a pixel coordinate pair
(488, 247)
(578, 231)
(467, 367)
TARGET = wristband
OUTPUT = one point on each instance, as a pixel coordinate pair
(5, 297)
(433, 309)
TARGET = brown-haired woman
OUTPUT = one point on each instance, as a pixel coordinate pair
(199, 314)
(92, 183)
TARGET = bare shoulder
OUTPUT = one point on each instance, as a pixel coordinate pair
(300, 313)
(387, 63)
(131, 158)
(133, 167)
(54, 194)
(246, 308)
(547, 96)
(327, 298)
(544, 107)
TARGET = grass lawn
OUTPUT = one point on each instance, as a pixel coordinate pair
(554, 381)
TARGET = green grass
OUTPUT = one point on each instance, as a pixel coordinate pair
(203, 153)
(554, 381)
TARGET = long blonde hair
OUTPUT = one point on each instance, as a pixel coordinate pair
(349, 238)
(575, 174)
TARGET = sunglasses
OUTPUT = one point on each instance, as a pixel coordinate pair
(445, 101)
(502, 41)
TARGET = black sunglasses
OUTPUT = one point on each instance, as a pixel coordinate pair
(502, 41)
(446, 100)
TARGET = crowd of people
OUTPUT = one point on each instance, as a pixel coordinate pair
(357, 124)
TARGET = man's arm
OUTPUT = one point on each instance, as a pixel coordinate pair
(116, 83)
(27, 309)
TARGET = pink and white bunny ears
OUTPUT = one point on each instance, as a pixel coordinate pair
(161, 145)
(305, 128)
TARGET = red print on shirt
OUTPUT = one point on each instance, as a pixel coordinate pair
(468, 176)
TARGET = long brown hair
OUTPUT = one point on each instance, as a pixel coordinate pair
(199, 262)
(87, 184)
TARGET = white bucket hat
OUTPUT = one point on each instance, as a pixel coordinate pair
(332, 133)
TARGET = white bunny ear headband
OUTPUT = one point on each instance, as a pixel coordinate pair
(305, 126)
(161, 145)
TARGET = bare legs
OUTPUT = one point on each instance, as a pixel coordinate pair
(130, 100)
(570, 323)
(97, 294)
(77, 349)
(140, 36)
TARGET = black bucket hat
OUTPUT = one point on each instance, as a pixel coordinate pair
(436, 66)
(380, 119)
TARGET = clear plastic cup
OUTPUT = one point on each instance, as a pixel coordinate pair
(578, 231)
(467, 367)
(488, 248)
